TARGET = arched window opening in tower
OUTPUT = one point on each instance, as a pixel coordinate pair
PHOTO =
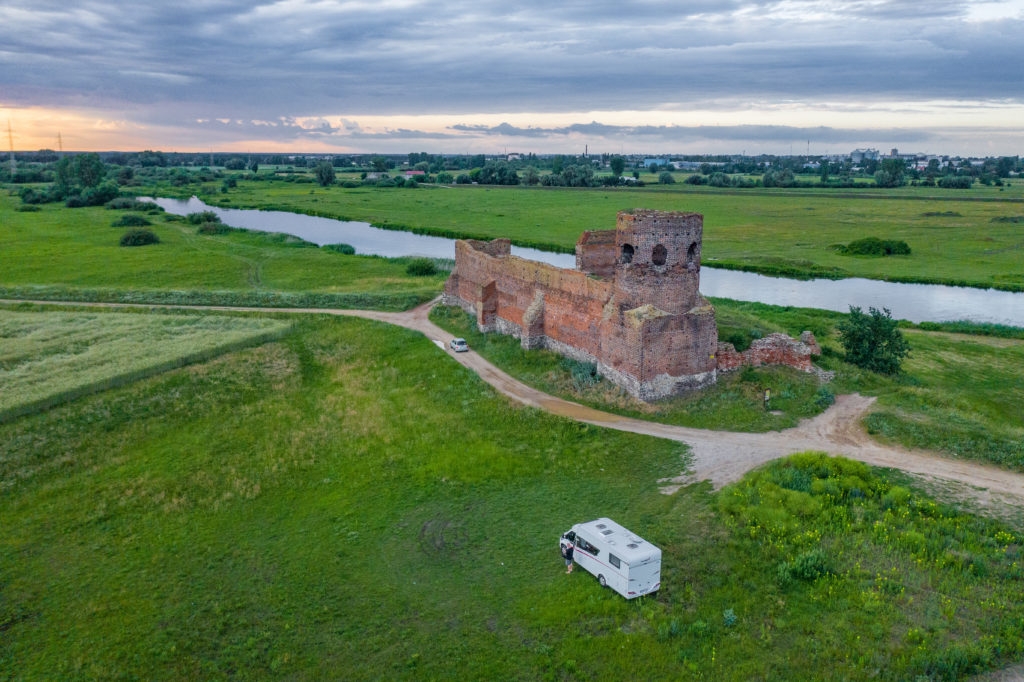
(691, 254)
(627, 253)
(659, 255)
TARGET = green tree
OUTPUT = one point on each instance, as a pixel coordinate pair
(89, 169)
(324, 173)
(531, 176)
(618, 165)
(666, 178)
(873, 341)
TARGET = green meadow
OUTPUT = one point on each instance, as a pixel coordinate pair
(959, 394)
(347, 502)
(958, 237)
(60, 253)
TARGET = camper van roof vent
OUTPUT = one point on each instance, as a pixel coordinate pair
(632, 545)
(607, 532)
(601, 525)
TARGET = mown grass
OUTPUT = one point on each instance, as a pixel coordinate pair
(52, 357)
(60, 252)
(959, 393)
(347, 502)
(784, 232)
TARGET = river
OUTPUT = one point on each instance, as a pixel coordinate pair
(914, 302)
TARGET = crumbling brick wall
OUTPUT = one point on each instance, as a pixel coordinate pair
(633, 306)
(774, 349)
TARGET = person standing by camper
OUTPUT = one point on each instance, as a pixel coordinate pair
(568, 557)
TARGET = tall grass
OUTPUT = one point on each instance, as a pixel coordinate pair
(47, 358)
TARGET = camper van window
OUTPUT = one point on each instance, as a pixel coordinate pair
(587, 547)
(614, 560)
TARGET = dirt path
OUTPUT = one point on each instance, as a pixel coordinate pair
(718, 456)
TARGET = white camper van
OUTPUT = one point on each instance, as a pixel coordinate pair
(621, 560)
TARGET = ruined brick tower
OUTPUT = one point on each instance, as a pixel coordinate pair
(632, 306)
(658, 334)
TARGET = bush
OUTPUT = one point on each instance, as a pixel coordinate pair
(873, 246)
(666, 178)
(214, 228)
(807, 567)
(350, 184)
(873, 341)
(463, 179)
(131, 204)
(346, 249)
(202, 217)
(445, 178)
(74, 201)
(29, 208)
(130, 220)
(421, 267)
(30, 195)
(139, 238)
(100, 195)
(824, 397)
(955, 182)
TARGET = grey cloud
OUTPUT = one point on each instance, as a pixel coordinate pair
(170, 64)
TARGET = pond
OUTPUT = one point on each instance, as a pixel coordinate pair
(914, 302)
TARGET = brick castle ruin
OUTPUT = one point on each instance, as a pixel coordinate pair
(632, 306)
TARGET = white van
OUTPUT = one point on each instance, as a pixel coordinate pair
(620, 559)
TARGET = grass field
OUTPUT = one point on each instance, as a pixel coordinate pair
(959, 394)
(51, 357)
(347, 502)
(64, 252)
(951, 233)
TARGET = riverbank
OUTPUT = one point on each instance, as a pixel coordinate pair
(958, 241)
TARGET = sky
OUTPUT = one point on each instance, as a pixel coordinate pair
(632, 77)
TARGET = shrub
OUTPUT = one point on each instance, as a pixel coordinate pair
(30, 195)
(74, 201)
(99, 195)
(997, 219)
(873, 341)
(131, 204)
(346, 249)
(350, 184)
(824, 397)
(729, 618)
(695, 179)
(213, 228)
(666, 178)
(873, 246)
(955, 182)
(463, 179)
(445, 179)
(421, 267)
(202, 217)
(139, 238)
(29, 208)
(808, 566)
(130, 220)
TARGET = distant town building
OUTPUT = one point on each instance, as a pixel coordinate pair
(655, 162)
(861, 155)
